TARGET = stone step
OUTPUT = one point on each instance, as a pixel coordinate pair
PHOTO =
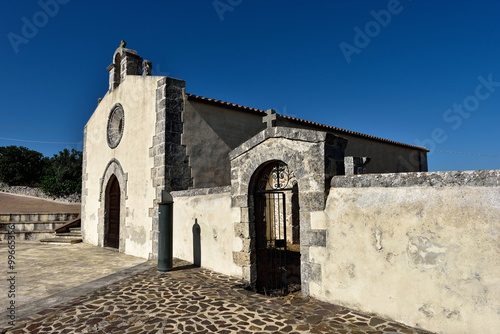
(68, 235)
(61, 240)
(37, 217)
(29, 226)
(27, 235)
(34, 226)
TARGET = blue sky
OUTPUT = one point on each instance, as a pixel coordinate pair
(419, 72)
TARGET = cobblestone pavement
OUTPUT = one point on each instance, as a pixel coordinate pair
(195, 300)
(49, 274)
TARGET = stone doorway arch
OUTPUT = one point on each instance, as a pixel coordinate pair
(274, 194)
(112, 215)
(112, 173)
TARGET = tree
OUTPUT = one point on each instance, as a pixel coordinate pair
(63, 174)
(20, 166)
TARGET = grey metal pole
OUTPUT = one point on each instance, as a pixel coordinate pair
(165, 237)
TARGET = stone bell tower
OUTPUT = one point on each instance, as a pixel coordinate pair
(126, 62)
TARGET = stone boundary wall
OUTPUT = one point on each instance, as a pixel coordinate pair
(477, 178)
(37, 192)
(203, 230)
(418, 248)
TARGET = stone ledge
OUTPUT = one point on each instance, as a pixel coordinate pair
(478, 178)
(201, 191)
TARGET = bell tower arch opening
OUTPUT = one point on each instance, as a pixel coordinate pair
(117, 62)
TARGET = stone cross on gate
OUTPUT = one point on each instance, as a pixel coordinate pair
(270, 118)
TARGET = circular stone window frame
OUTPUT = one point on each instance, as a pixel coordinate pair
(116, 124)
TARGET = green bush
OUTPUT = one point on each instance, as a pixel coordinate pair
(20, 166)
(63, 174)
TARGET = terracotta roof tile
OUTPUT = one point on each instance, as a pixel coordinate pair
(219, 102)
(301, 121)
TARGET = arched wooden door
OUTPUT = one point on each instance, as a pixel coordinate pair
(112, 227)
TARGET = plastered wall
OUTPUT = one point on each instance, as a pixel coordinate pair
(385, 157)
(202, 226)
(137, 95)
(210, 133)
(420, 248)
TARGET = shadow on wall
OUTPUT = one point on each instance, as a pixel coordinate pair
(196, 244)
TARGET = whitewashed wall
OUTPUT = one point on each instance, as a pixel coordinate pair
(418, 248)
(211, 209)
(137, 95)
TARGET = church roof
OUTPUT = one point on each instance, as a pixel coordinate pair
(300, 121)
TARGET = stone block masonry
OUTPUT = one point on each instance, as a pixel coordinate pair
(171, 170)
(168, 137)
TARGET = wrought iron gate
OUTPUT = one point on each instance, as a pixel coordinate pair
(271, 241)
(270, 199)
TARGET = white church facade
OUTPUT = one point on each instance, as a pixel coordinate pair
(353, 219)
(148, 134)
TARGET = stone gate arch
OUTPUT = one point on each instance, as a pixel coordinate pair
(314, 157)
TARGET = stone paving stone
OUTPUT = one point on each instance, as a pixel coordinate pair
(190, 299)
